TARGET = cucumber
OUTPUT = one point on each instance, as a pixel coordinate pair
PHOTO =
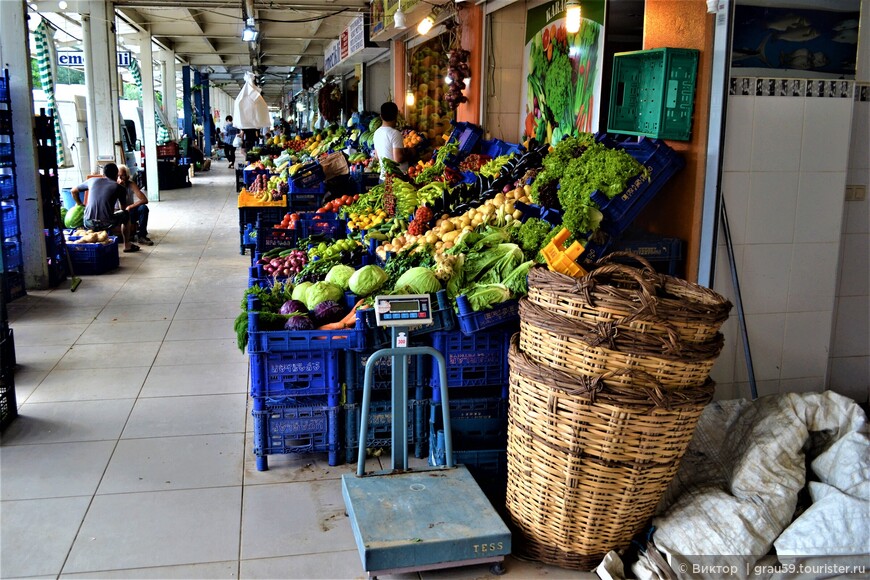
(273, 253)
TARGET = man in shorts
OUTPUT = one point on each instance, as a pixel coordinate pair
(104, 194)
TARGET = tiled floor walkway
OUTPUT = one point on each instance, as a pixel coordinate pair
(132, 453)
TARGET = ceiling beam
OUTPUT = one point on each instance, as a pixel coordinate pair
(273, 4)
(198, 21)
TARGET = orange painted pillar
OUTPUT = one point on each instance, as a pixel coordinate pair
(400, 78)
(676, 211)
(471, 19)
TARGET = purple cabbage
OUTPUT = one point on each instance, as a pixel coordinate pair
(326, 312)
(292, 307)
(299, 322)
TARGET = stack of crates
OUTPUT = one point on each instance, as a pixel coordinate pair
(477, 381)
(380, 415)
(295, 388)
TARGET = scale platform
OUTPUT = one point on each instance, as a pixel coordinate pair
(423, 520)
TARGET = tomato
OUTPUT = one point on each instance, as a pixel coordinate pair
(356, 197)
(545, 39)
(321, 210)
(345, 199)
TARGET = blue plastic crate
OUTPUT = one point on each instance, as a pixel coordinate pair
(499, 315)
(380, 427)
(7, 155)
(248, 216)
(536, 211)
(249, 175)
(496, 148)
(11, 253)
(9, 214)
(661, 163)
(93, 258)
(278, 341)
(442, 319)
(474, 423)
(4, 87)
(488, 466)
(290, 375)
(308, 176)
(327, 224)
(306, 198)
(467, 136)
(473, 360)
(354, 376)
(307, 427)
(7, 186)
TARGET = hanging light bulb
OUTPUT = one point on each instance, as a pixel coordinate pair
(410, 99)
(426, 24)
(572, 17)
(399, 18)
(448, 79)
(62, 5)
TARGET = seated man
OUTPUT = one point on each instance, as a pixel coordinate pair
(137, 206)
(104, 194)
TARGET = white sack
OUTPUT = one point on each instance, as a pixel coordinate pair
(737, 487)
(250, 110)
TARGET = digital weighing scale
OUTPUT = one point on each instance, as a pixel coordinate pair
(412, 520)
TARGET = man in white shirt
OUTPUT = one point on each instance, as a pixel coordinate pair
(388, 140)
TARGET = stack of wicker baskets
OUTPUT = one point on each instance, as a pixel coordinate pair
(609, 375)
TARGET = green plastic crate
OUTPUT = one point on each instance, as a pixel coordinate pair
(653, 93)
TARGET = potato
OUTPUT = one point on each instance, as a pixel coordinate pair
(449, 237)
(439, 244)
(445, 216)
(447, 226)
(517, 214)
(447, 245)
(509, 207)
(431, 237)
(467, 228)
(476, 222)
(499, 199)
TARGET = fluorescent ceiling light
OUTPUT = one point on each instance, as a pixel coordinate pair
(250, 34)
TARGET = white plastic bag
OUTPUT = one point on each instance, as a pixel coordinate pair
(250, 110)
(237, 140)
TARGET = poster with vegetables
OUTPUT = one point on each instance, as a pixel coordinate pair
(427, 64)
(562, 72)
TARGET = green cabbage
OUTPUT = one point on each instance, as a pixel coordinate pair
(419, 280)
(486, 296)
(367, 280)
(340, 276)
(299, 293)
(321, 292)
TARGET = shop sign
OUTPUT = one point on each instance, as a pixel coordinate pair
(562, 72)
(356, 35)
(343, 43)
(377, 17)
(332, 56)
(76, 58)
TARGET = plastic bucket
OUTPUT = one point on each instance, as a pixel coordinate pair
(66, 198)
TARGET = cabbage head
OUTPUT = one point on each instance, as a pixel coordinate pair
(300, 292)
(321, 292)
(340, 276)
(367, 280)
(419, 280)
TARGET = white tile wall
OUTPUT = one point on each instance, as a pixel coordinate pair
(738, 137)
(813, 277)
(785, 170)
(805, 346)
(736, 189)
(776, 133)
(820, 206)
(764, 277)
(826, 122)
(850, 357)
(770, 217)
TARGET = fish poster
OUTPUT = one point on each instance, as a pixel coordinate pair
(562, 72)
(792, 39)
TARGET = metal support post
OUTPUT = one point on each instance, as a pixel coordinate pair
(149, 129)
(185, 95)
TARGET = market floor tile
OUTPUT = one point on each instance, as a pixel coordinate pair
(163, 528)
(142, 413)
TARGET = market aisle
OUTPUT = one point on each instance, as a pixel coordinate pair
(132, 456)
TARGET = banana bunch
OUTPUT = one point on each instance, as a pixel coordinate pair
(431, 192)
(406, 197)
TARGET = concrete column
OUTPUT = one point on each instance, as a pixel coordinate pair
(169, 94)
(101, 79)
(15, 55)
(206, 116)
(149, 126)
(188, 110)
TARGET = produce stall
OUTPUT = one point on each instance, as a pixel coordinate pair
(466, 225)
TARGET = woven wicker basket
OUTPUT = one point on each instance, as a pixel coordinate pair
(588, 462)
(581, 349)
(640, 299)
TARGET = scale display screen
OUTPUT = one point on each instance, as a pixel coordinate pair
(403, 310)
